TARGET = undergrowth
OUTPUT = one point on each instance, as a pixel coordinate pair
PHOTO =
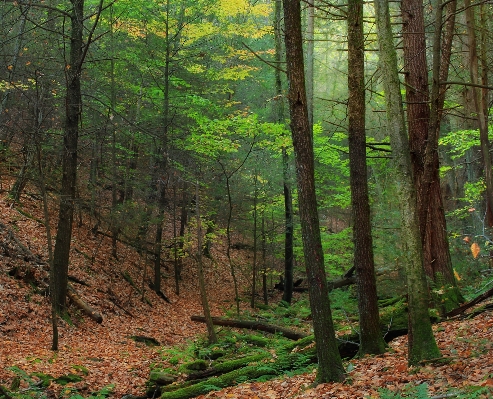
(421, 392)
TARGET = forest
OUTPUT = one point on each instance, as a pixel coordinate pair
(246, 199)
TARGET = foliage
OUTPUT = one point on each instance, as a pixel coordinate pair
(37, 383)
(420, 391)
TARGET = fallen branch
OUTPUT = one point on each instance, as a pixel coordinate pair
(252, 325)
(72, 294)
(470, 304)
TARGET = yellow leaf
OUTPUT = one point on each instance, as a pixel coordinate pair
(457, 276)
(475, 249)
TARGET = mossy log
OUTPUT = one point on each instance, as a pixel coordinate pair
(467, 305)
(226, 367)
(161, 378)
(225, 380)
(252, 325)
(294, 355)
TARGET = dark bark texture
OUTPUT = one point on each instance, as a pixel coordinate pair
(69, 158)
(330, 364)
(370, 336)
(423, 142)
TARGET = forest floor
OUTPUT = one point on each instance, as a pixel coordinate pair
(105, 354)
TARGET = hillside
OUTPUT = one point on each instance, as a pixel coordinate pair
(105, 354)
(105, 350)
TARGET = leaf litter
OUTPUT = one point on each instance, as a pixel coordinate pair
(105, 354)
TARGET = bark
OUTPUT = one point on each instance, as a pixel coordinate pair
(288, 198)
(371, 341)
(252, 325)
(424, 127)
(480, 108)
(310, 61)
(203, 293)
(330, 364)
(422, 344)
(46, 214)
(255, 223)
(69, 158)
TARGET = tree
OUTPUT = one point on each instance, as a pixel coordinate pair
(371, 340)
(288, 198)
(421, 342)
(73, 101)
(478, 88)
(211, 333)
(424, 126)
(329, 360)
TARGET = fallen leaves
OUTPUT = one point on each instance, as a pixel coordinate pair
(104, 354)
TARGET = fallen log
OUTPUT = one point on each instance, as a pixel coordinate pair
(347, 279)
(226, 367)
(470, 304)
(252, 325)
(72, 294)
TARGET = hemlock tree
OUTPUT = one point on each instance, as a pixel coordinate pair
(424, 126)
(422, 344)
(371, 340)
(329, 360)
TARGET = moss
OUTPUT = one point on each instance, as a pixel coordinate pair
(225, 380)
(196, 365)
(228, 366)
(395, 316)
(301, 343)
(256, 340)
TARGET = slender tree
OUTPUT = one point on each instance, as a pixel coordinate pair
(422, 344)
(288, 198)
(211, 333)
(329, 361)
(371, 340)
(479, 99)
(73, 70)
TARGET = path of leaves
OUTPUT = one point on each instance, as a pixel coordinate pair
(111, 357)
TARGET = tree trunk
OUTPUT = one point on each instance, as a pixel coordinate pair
(288, 199)
(203, 293)
(424, 127)
(371, 341)
(254, 261)
(330, 364)
(421, 341)
(310, 61)
(69, 158)
(480, 108)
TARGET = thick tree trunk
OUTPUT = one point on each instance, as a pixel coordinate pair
(371, 340)
(422, 344)
(330, 364)
(424, 126)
